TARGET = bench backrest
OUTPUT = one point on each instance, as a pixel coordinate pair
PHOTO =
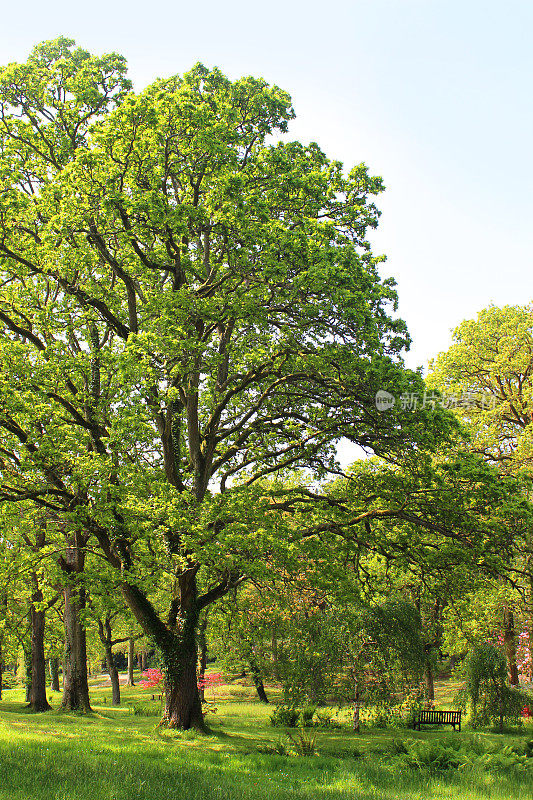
(439, 716)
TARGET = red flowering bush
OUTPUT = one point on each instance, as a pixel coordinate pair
(210, 681)
(153, 678)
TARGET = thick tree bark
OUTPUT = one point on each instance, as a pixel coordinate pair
(131, 659)
(53, 666)
(38, 701)
(75, 684)
(509, 642)
(176, 642)
(183, 708)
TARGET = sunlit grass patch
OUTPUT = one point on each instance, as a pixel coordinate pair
(114, 754)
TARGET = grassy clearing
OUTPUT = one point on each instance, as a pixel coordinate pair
(114, 755)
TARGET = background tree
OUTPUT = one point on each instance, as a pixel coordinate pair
(491, 698)
(489, 369)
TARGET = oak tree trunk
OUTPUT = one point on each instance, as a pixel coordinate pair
(38, 701)
(75, 684)
(131, 659)
(177, 645)
(113, 674)
(183, 708)
(509, 642)
(53, 666)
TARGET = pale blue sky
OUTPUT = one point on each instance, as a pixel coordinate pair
(434, 95)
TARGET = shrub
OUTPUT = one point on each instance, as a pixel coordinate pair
(291, 716)
(304, 742)
(325, 718)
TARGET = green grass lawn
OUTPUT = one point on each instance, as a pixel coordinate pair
(116, 755)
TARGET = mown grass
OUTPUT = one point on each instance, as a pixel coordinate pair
(114, 755)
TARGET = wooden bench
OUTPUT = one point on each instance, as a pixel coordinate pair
(437, 718)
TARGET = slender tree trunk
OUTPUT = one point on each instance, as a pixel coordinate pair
(131, 658)
(509, 642)
(53, 666)
(257, 679)
(27, 672)
(356, 707)
(430, 684)
(75, 684)
(113, 674)
(1, 668)
(106, 637)
(38, 701)
(140, 661)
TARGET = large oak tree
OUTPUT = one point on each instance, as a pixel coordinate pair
(189, 309)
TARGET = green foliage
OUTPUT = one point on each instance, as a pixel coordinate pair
(145, 709)
(473, 756)
(304, 742)
(204, 318)
(491, 357)
(292, 716)
(386, 710)
(486, 664)
(327, 718)
(492, 701)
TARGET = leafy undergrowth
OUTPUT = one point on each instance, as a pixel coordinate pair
(116, 754)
